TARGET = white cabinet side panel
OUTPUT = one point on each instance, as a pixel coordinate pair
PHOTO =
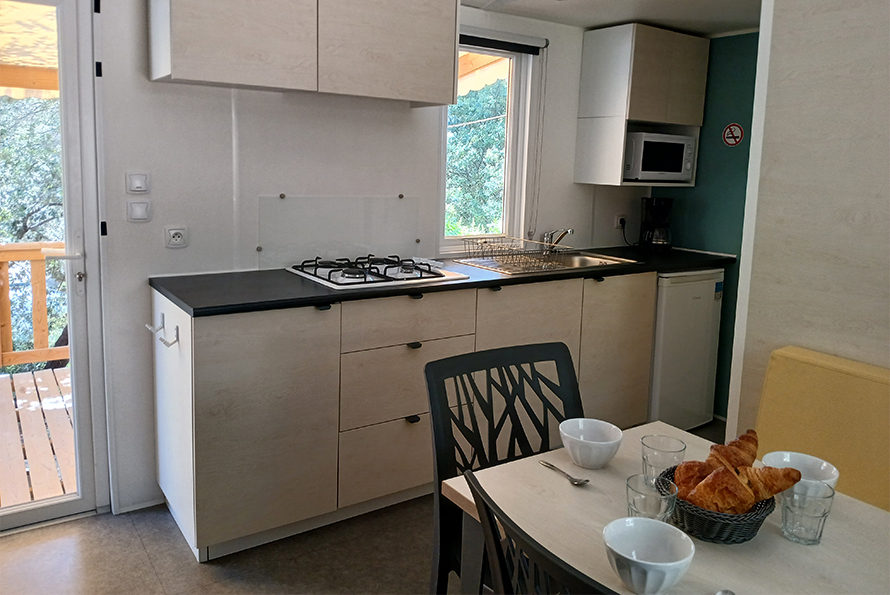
(174, 414)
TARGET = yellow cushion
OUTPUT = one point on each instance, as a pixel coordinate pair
(832, 408)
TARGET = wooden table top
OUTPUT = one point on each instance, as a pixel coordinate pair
(853, 557)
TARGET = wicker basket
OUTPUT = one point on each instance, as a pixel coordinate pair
(719, 527)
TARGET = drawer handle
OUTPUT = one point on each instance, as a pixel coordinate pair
(416, 296)
(323, 307)
(413, 419)
(155, 329)
(599, 279)
(415, 345)
(495, 288)
(174, 341)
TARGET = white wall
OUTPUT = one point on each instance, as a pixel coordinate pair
(815, 263)
(211, 152)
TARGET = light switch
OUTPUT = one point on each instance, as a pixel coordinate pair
(138, 211)
(137, 183)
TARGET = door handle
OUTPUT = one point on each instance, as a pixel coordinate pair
(323, 307)
(413, 419)
(416, 296)
(495, 288)
(59, 254)
(175, 338)
(155, 329)
(415, 345)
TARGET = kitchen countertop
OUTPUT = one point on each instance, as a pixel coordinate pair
(212, 294)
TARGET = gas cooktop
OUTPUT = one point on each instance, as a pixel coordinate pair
(371, 270)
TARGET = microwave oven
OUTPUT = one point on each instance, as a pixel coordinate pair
(652, 157)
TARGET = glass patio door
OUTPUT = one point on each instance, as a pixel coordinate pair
(46, 107)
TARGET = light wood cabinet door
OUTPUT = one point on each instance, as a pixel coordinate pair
(381, 385)
(388, 48)
(265, 410)
(369, 324)
(650, 79)
(254, 43)
(384, 459)
(530, 313)
(617, 332)
(689, 75)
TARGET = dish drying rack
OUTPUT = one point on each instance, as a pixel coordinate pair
(512, 255)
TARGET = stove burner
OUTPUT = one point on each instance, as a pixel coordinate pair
(408, 267)
(353, 273)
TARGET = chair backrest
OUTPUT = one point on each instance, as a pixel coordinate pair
(499, 405)
(832, 408)
(518, 563)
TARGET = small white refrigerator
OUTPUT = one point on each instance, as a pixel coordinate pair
(684, 358)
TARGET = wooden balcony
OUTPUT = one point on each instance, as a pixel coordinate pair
(37, 455)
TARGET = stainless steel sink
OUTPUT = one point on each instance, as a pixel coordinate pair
(544, 262)
(583, 260)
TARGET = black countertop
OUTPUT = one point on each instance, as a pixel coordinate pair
(212, 294)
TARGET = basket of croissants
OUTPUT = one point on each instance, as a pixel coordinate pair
(724, 499)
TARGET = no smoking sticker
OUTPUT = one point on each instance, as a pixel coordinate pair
(733, 135)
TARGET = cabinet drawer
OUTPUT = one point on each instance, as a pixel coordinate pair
(531, 313)
(384, 459)
(384, 384)
(368, 324)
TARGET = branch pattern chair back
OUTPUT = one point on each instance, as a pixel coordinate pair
(518, 563)
(487, 408)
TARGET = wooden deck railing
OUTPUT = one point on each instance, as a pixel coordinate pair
(42, 352)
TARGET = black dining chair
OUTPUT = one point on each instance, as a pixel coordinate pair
(491, 407)
(518, 563)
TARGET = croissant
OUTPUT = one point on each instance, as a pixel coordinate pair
(766, 482)
(689, 474)
(721, 491)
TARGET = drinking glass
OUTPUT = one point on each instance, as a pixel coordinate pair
(804, 510)
(651, 497)
(660, 453)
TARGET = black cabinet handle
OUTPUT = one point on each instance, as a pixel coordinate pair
(323, 307)
(413, 419)
(415, 345)
(495, 288)
(599, 279)
(416, 296)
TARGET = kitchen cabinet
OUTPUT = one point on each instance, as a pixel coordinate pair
(617, 330)
(388, 48)
(385, 436)
(251, 43)
(373, 48)
(530, 313)
(247, 408)
(635, 78)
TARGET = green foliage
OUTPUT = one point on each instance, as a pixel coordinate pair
(31, 208)
(474, 187)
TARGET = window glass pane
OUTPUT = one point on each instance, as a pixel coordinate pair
(477, 147)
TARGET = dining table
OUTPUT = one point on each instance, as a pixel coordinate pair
(568, 520)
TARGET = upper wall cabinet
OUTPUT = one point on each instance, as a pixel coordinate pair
(373, 48)
(635, 78)
(644, 73)
(388, 48)
(251, 43)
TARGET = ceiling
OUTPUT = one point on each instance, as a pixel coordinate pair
(699, 17)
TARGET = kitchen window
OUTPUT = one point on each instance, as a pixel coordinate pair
(486, 144)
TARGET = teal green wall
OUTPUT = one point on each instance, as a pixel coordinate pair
(710, 215)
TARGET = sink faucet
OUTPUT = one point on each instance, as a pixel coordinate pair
(559, 233)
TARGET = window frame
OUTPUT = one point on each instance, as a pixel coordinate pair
(518, 151)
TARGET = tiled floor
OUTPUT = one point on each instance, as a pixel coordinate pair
(387, 551)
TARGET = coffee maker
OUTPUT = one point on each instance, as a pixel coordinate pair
(655, 226)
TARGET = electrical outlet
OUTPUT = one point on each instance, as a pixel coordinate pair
(618, 219)
(176, 236)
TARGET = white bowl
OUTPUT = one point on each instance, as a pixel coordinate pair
(649, 556)
(811, 468)
(591, 443)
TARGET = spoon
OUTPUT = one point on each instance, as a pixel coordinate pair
(573, 480)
